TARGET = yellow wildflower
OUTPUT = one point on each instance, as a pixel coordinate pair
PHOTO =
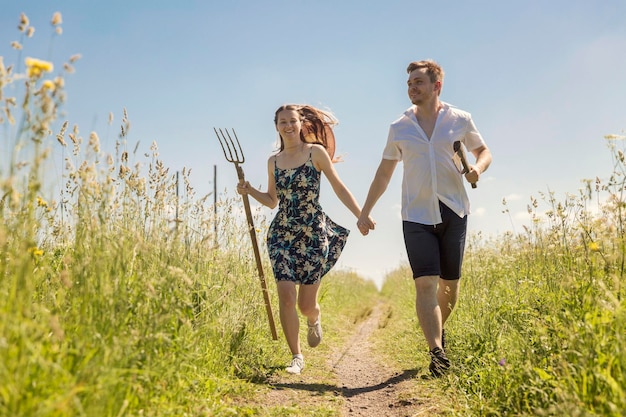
(41, 202)
(48, 85)
(35, 251)
(36, 66)
(594, 247)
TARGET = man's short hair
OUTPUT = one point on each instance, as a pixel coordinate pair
(433, 70)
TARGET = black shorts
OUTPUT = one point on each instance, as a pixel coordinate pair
(436, 249)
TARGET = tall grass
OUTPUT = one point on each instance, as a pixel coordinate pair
(117, 295)
(541, 323)
(543, 316)
(110, 305)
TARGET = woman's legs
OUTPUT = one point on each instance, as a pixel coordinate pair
(289, 320)
(309, 307)
(307, 302)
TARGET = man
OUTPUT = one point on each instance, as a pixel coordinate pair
(434, 201)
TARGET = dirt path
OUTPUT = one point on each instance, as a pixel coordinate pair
(369, 387)
(364, 385)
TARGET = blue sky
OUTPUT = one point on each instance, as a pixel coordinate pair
(543, 80)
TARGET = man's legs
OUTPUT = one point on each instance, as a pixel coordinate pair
(447, 295)
(435, 299)
(429, 316)
(429, 312)
(422, 245)
(452, 246)
(435, 251)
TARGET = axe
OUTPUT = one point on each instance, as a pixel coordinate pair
(460, 153)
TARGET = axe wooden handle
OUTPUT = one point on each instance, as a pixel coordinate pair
(458, 149)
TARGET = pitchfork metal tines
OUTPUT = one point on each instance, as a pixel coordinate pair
(235, 153)
(232, 150)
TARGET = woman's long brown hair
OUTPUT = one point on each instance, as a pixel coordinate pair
(316, 126)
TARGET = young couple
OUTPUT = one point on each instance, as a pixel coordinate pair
(304, 243)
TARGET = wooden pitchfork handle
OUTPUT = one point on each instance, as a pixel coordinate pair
(234, 154)
(257, 255)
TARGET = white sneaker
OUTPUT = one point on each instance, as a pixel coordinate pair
(296, 366)
(314, 336)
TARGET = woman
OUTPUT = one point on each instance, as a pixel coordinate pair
(303, 243)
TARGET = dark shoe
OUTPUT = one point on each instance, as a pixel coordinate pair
(443, 339)
(439, 362)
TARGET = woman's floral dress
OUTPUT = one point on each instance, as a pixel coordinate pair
(303, 242)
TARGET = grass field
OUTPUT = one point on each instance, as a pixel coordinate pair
(119, 298)
(541, 323)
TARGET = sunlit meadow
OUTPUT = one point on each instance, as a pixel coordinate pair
(540, 327)
(124, 293)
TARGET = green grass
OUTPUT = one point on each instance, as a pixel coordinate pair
(112, 305)
(546, 311)
(541, 322)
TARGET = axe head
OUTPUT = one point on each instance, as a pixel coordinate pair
(459, 157)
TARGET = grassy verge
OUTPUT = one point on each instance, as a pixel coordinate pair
(112, 302)
(541, 322)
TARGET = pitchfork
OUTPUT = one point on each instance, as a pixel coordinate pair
(234, 154)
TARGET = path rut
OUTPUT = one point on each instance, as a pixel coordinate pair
(366, 386)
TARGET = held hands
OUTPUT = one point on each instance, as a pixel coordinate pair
(365, 224)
